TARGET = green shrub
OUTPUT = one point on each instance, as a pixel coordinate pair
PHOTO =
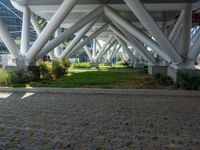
(45, 69)
(163, 80)
(66, 63)
(81, 65)
(5, 78)
(22, 76)
(58, 69)
(187, 81)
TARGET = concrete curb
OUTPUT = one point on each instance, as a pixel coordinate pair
(106, 91)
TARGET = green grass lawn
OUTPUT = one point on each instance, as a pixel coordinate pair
(97, 79)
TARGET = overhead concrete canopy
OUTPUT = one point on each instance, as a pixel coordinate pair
(161, 11)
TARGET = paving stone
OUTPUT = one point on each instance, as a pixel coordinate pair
(50, 121)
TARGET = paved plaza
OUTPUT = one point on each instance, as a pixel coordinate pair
(81, 121)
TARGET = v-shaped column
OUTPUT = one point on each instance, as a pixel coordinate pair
(144, 17)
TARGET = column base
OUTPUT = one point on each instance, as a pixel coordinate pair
(108, 64)
(139, 66)
(152, 70)
(173, 73)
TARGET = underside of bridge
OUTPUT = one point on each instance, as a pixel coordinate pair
(160, 33)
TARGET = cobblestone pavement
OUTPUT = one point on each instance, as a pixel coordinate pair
(47, 121)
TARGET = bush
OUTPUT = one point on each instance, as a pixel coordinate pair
(21, 76)
(45, 69)
(81, 65)
(188, 82)
(5, 78)
(163, 80)
(66, 63)
(58, 69)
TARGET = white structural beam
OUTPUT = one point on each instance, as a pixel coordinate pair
(116, 51)
(35, 24)
(77, 39)
(73, 29)
(47, 32)
(131, 40)
(8, 41)
(105, 50)
(187, 25)
(87, 50)
(112, 51)
(57, 48)
(104, 46)
(25, 37)
(177, 28)
(88, 39)
(136, 32)
(144, 17)
(125, 48)
(98, 44)
(94, 48)
(195, 49)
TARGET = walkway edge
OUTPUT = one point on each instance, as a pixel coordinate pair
(105, 91)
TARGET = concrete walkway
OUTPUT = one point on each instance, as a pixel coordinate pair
(98, 119)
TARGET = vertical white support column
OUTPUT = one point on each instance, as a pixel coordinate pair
(57, 49)
(187, 25)
(87, 50)
(53, 24)
(25, 37)
(195, 49)
(112, 52)
(94, 49)
(144, 17)
(8, 41)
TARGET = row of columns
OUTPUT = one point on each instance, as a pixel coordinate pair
(176, 49)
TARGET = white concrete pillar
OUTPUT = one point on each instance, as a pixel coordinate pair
(25, 37)
(177, 28)
(187, 25)
(133, 42)
(98, 44)
(195, 49)
(125, 48)
(87, 50)
(116, 51)
(94, 49)
(77, 39)
(8, 41)
(35, 24)
(104, 46)
(135, 31)
(73, 29)
(57, 49)
(105, 50)
(47, 32)
(144, 17)
(112, 51)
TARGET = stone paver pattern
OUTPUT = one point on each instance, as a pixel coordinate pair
(62, 121)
